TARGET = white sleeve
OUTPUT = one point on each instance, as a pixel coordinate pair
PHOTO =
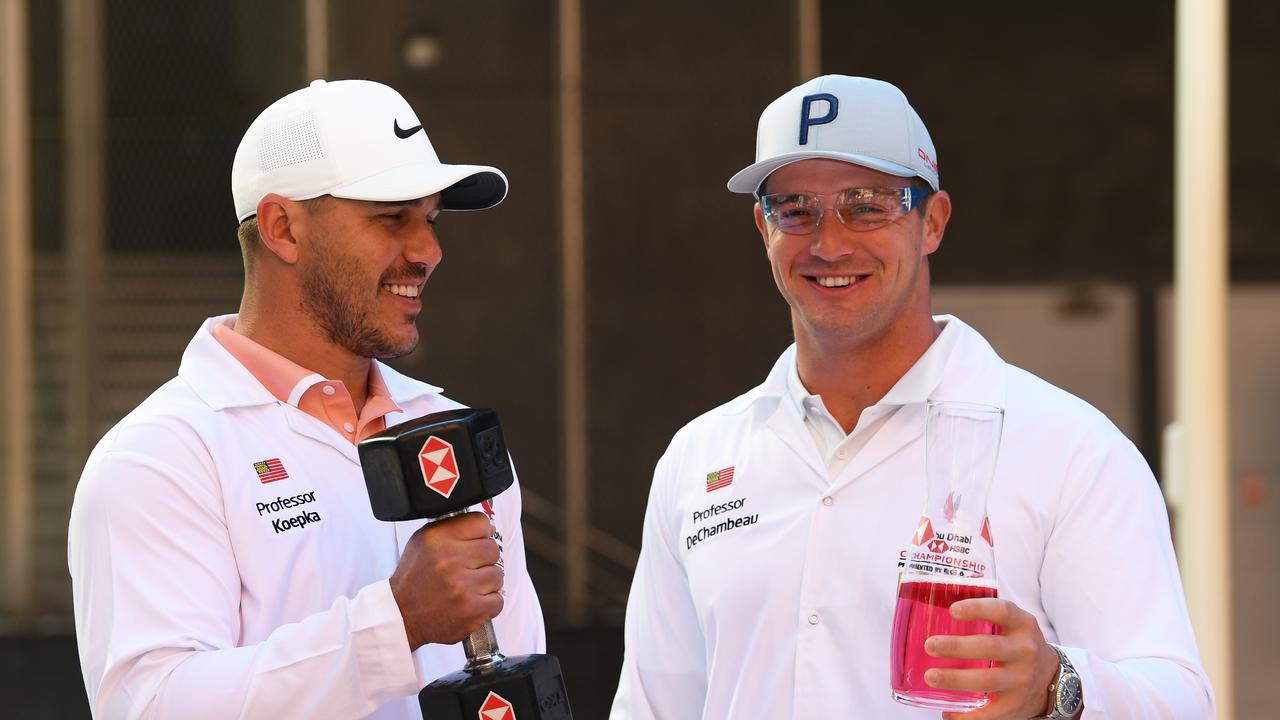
(157, 605)
(519, 627)
(1111, 588)
(664, 673)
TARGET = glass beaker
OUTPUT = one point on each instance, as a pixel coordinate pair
(951, 555)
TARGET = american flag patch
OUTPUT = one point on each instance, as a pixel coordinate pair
(270, 470)
(720, 479)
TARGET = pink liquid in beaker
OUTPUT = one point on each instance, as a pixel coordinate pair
(924, 611)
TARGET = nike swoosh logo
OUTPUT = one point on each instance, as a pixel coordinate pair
(402, 134)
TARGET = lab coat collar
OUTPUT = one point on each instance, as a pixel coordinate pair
(222, 382)
(926, 374)
(960, 366)
(974, 373)
(913, 387)
(964, 368)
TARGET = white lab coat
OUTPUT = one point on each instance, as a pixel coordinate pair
(781, 606)
(197, 595)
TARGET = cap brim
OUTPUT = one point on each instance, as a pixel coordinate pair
(461, 187)
(749, 178)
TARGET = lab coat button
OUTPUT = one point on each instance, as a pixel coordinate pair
(827, 501)
(814, 620)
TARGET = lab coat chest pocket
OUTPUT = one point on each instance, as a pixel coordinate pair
(276, 515)
(741, 543)
(297, 518)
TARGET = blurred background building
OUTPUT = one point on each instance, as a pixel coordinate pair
(620, 290)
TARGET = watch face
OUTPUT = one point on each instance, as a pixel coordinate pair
(1070, 697)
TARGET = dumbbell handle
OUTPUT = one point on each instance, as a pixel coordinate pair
(481, 646)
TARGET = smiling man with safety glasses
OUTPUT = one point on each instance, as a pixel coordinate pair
(781, 605)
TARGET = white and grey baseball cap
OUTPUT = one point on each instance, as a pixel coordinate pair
(858, 120)
(354, 139)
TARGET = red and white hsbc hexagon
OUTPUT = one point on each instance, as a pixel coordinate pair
(439, 466)
(496, 707)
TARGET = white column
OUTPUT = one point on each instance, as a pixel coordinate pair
(1200, 340)
(573, 315)
(316, 20)
(16, 373)
(808, 39)
(85, 209)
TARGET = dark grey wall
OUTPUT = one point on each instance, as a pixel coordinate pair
(1053, 126)
(682, 313)
(1255, 144)
(490, 324)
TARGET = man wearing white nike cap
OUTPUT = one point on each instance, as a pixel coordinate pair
(767, 580)
(224, 557)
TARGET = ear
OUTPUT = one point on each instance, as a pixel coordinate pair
(762, 226)
(937, 213)
(279, 221)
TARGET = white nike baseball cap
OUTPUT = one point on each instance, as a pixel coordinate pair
(353, 139)
(858, 120)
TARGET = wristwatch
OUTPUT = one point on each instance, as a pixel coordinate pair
(1066, 697)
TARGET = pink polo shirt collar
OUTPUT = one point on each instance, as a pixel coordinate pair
(328, 401)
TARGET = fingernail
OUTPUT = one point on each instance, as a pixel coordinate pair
(930, 646)
(931, 677)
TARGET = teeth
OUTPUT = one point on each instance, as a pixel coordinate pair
(410, 291)
(837, 281)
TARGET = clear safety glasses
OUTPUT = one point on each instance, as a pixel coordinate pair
(859, 209)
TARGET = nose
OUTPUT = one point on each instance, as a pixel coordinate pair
(830, 240)
(422, 246)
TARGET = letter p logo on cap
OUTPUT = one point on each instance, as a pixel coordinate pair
(807, 120)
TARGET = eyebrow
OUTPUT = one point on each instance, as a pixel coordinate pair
(395, 204)
(873, 188)
(842, 191)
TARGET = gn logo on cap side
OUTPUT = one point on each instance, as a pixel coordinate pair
(439, 466)
(806, 118)
(496, 707)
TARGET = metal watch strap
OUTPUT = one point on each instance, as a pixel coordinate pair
(1065, 668)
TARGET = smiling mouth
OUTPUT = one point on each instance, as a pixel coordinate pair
(408, 291)
(838, 281)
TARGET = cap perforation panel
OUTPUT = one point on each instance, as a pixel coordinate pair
(290, 141)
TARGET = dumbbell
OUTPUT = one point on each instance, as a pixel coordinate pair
(435, 467)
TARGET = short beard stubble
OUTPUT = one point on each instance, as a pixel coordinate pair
(330, 291)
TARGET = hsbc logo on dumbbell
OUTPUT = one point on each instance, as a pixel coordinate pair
(439, 465)
(496, 707)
